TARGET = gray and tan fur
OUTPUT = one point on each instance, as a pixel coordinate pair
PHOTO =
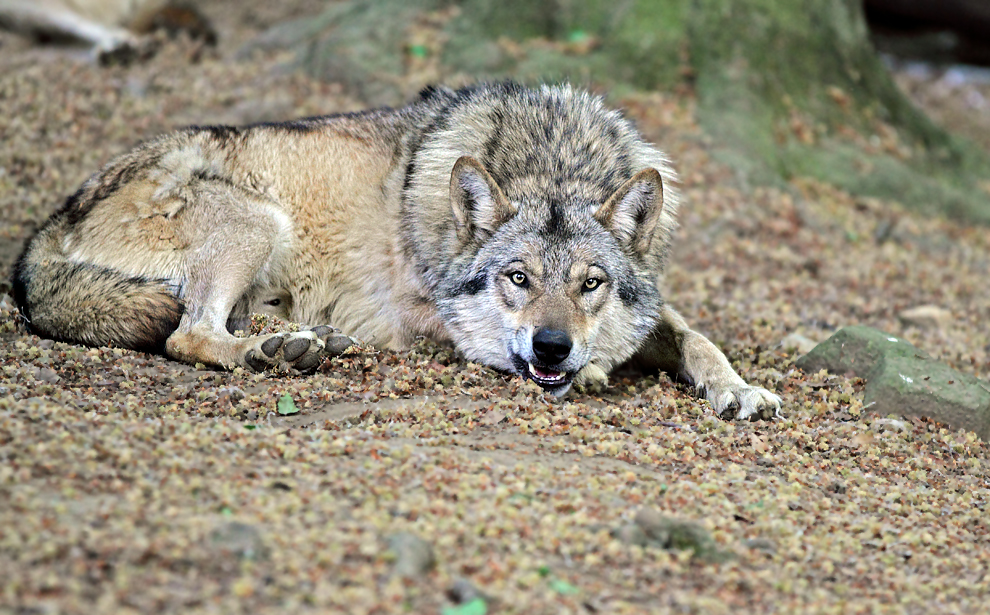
(529, 227)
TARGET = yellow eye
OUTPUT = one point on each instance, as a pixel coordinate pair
(518, 278)
(591, 284)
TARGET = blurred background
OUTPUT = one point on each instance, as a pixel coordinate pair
(786, 88)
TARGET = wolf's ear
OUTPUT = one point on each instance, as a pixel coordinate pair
(479, 205)
(633, 211)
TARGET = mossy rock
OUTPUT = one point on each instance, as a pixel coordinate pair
(903, 380)
(857, 350)
(925, 387)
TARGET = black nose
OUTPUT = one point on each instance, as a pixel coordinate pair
(551, 346)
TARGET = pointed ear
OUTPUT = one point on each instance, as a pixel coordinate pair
(479, 205)
(632, 213)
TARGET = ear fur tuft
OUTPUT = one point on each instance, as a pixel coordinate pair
(633, 211)
(479, 205)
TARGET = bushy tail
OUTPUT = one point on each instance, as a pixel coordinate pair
(87, 304)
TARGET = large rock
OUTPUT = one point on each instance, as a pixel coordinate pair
(902, 385)
(856, 350)
(414, 556)
(901, 379)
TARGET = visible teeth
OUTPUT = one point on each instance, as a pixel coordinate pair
(545, 375)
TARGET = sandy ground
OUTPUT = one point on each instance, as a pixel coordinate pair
(130, 483)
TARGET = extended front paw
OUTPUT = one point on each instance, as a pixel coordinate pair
(591, 378)
(744, 402)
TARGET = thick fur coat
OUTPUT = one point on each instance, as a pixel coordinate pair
(529, 227)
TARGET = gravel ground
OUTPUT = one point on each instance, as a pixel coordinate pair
(130, 483)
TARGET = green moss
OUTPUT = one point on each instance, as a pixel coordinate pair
(928, 187)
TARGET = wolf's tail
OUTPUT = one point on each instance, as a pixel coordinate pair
(88, 304)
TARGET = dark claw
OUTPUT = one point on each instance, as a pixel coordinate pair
(323, 331)
(309, 362)
(731, 411)
(256, 363)
(765, 411)
(271, 345)
(337, 344)
(295, 348)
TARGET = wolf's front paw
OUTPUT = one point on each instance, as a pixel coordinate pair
(301, 351)
(744, 403)
(285, 352)
(591, 378)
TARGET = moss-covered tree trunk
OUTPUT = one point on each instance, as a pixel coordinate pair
(791, 87)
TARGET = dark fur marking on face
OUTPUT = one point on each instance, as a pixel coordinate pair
(627, 294)
(471, 286)
(407, 180)
(556, 224)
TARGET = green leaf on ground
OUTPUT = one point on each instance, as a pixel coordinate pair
(563, 587)
(471, 607)
(286, 405)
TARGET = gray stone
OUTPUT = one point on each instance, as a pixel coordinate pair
(631, 534)
(761, 544)
(463, 591)
(856, 350)
(916, 387)
(903, 380)
(413, 556)
(46, 374)
(239, 540)
(679, 535)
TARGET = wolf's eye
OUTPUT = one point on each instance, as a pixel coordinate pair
(591, 284)
(519, 279)
(274, 302)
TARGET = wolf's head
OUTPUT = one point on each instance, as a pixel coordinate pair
(544, 287)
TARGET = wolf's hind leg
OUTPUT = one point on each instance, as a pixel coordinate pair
(676, 348)
(245, 243)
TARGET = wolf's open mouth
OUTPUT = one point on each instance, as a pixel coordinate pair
(550, 380)
(547, 377)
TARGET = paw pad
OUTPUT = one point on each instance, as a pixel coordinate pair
(301, 351)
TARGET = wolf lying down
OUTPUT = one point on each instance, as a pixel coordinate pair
(529, 227)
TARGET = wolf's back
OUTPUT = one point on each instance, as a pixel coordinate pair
(88, 304)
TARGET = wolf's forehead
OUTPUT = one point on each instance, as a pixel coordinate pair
(557, 244)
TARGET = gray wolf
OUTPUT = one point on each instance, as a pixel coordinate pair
(110, 26)
(528, 227)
